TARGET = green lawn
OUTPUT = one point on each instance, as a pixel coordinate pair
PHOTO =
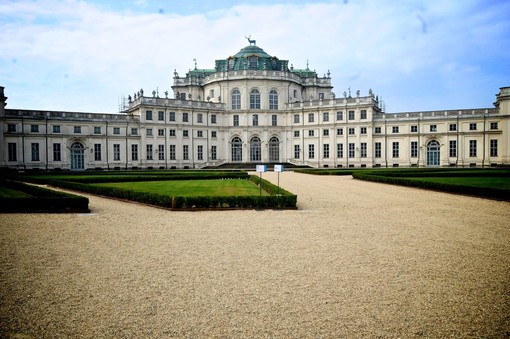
(12, 193)
(191, 188)
(482, 182)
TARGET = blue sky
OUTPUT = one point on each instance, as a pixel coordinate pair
(417, 55)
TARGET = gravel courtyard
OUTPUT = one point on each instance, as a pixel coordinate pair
(358, 259)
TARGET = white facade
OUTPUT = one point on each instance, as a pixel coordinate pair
(254, 108)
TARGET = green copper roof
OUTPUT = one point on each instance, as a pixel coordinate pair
(252, 50)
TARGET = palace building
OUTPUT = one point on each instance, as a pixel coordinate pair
(253, 108)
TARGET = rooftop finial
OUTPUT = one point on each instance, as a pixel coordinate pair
(252, 42)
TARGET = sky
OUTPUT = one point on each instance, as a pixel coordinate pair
(417, 55)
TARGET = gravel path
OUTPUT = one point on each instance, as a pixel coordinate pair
(358, 259)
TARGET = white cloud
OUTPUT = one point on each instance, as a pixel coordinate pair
(73, 55)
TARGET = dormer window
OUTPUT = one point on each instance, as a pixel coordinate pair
(253, 62)
(231, 63)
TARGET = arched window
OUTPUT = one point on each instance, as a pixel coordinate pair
(231, 63)
(77, 157)
(433, 153)
(237, 150)
(274, 150)
(236, 99)
(254, 99)
(255, 149)
(273, 99)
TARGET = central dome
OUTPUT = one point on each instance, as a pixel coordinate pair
(252, 50)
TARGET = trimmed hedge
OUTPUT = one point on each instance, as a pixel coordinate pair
(108, 177)
(42, 200)
(487, 192)
(285, 199)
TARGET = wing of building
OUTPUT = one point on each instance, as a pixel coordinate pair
(254, 108)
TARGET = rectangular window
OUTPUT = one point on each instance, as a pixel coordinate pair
(339, 131)
(311, 117)
(200, 152)
(377, 150)
(214, 152)
(363, 150)
(296, 118)
(185, 117)
(148, 115)
(134, 152)
(274, 120)
(414, 128)
(213, 134)
(116, 130)
(56, 129)
(172, 153)
(395, 150)
(339, 150)
(472, 148)
(116, 152)
(149, 131)
(213, 118)
(394, 129)
(97, 152)
(34, 128)
(363, 130)
(325, 116)
(161, 152)
(377, 130)
(185, 152)
(12, 128)
(325, 132)
(414, 149)
(200, 134)
(452, 127)
(171, 116)
(339, 116)
(433, 128)
(57, 152)
(200, 118)
(273, 100)
(325, 149)
(11, 150)
(297, 151)
(161, 132)
(351, 115)
(171, 132)
(296, 134)
(311, 133)
(352, 150)
(494, 147)
(494, 125)
(185, 133)
(235, 121)
(311, 151)
(363, 114)
(453, 148)
(35, 151)
(472, 126)
(351, 131)
(149, 152)
(255, 120)
(161, 116)
(97, 130)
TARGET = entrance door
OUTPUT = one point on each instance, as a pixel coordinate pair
(77, 157)
(433, 153)
(274, 150)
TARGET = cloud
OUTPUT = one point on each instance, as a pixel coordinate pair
(78, 55)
